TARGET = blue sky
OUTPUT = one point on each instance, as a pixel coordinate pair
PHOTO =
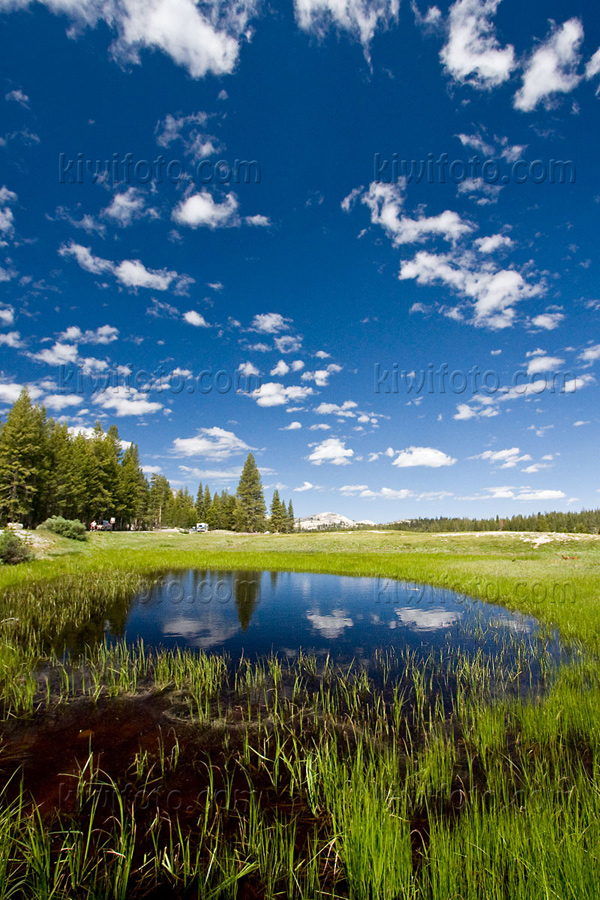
(307, 276)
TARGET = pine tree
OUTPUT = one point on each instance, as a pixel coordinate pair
(278, 513)
(21, 460)
(158, 499)
(250, 508)
(291, 521)
(200, 511)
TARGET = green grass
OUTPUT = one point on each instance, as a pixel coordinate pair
(370, 784)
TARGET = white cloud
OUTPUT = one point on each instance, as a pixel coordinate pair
(541, 495)
(270, 323)
(196, 142)
(203, 39)
(590, 354)
(58, 354)
(493, 291)
(331, 450)
(476, 142)
(211, 443)
(505, 459)
(346, 410)
(18, 96)
(288, 343)
(544, 364)
(194, 318)
(280, 369)
(552, 68)
(321, 354)
(297, 365)
(126, 401)
(257, 221)
(320, 427)
(272, 393)
(422, 456)
(293, 426)
(94, 264)
(360, 18)
(201, 210)
(134, 274)
(62, 401)
(7, 314)
(306, 486)
(492, 243)
(386, 201)
(248, 369)
(127, 206)
(548, 320)
(130, 272)
(105, 334)
(11, 339)
(321, 376)
(472, 54)
(593, 66)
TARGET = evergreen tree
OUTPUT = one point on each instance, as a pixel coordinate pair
(291, 521)
(250, 508)
(200, 511)
(278, 513)
(21, 460)
(213, 516)
(159, 497)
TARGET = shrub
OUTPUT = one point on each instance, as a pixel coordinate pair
(13, 550)
(69, 528)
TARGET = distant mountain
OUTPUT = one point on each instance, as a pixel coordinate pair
(328, 520)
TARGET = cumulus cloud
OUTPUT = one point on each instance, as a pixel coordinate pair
(202, 210)
(126, 401)
(11, 339)
(504, 459)
(273, 393)
(345, 410)
(492, 290)
(492, 243)
(544, 364)
(590, 354)
(197, 143)
(552, 68)
(288, 343)
(548, 320)
(280, 369)
(105, 334)
(131, 273)
(331, 450)
(128, 206)
(248, 369)
(473, 54)
(194, 318)
(360, 18)
(386, 201)
(212, 443)
(201, 38)
(270, 323)
(293, 426)
(422, 456)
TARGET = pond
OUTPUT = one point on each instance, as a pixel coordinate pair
(255, 613)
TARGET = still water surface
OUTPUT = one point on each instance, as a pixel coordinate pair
(255, 613)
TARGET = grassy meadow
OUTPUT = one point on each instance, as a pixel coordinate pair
(132, 772)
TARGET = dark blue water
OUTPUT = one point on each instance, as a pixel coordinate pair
(255, 613)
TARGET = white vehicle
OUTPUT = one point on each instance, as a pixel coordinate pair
(201, 526)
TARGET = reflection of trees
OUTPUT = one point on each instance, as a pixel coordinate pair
(274, 577)
(246, 590)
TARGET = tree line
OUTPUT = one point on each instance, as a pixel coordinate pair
(585, 522)
(45, 471)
